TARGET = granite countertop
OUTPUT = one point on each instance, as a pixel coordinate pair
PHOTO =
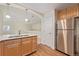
(8, 37)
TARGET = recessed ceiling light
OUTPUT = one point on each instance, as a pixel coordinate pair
(26, 20)
(8, 16)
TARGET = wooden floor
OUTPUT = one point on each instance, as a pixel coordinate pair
(44, 50)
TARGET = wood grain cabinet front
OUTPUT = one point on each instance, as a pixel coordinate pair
(1, 48)
(72, 11)
(26, 46)
(61, 14)
(34, 43)
(12, 48)
(18, 47)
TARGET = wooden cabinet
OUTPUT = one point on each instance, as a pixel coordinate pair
(12, 47)
(72, 11)
(26, 46)
(61, 14)
(69, 12)
(34, 43)
(18, 47)
(1, 48)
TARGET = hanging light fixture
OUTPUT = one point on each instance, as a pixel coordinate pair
(26, 20)
(7, 15)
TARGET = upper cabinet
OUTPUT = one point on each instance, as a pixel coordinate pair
(61, 14)
(72, 11)
(69, 12)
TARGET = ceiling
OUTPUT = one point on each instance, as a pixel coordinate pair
(34, 10)
(18, 15)
(45, 7)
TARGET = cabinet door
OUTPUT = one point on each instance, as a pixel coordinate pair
(12, 48)
(72, 11)
(26, 46)
(34, 43)
(1, 48)
(61, 14)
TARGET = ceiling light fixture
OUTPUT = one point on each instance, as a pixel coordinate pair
(26, 20)
(7, 15)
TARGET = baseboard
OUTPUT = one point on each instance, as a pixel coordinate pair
(62, 52)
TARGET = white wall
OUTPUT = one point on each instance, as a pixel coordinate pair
(1, 21)
(36, 26)
(48, 29)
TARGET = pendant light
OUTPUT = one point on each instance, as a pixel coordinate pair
(26, 20)
(7, 15)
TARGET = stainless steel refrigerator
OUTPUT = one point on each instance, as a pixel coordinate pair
(65, 36)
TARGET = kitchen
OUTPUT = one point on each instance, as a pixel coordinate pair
(48, 30)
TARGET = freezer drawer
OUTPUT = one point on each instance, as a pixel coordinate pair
(60, 41)
(70, 42)
(65, 41)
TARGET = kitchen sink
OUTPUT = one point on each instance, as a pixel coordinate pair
(17, 36)
(13, 36)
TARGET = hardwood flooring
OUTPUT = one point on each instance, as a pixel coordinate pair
(44, 50)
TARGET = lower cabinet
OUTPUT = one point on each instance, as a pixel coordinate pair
(26, 46)
(12, 48)
(18, 47)
(1, 48)
(34, 43)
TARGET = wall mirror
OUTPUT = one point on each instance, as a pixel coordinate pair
(13, 19)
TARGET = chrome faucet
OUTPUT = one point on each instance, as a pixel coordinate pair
(19, 32)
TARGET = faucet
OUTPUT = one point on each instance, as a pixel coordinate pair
(19, 32)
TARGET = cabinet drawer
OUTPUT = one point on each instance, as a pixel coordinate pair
(9, 42)
(26, 39)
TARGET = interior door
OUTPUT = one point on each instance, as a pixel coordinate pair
(47, 32)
